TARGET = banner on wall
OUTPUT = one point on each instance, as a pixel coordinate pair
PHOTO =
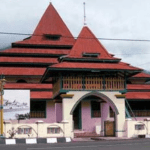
(16, 104)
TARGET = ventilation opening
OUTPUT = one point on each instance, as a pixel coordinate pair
(90, 54)
(52, 37)
(21, 81)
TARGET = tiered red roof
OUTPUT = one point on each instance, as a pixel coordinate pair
(138, 87)
(19, 71)
(38, 91)
(36, 51)
(41, 95)
(26, 57)
(141, 75)
(88, 43)
(99, 66)
(33, 86)
(51, 23)
(138, 95)
(28, 60)
(139, 91)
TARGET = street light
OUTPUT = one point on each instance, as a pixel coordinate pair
(2, 83)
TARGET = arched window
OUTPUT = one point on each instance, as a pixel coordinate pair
(21, 81)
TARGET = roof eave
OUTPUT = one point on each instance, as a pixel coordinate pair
(88, 60)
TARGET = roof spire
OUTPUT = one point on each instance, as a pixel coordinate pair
(51, 24)
(84, 15)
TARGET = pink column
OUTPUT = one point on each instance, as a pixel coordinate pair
(104, 115)
(58, 112)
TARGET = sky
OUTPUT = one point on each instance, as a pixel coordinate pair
(115, 19)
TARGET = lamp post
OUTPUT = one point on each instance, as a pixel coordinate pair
(2, 83)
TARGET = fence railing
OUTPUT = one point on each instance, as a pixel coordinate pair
(92, 83)
(140, 113)
(72, 83)
(37, 114)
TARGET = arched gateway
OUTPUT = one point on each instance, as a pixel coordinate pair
(95, 112)
(98, 95)
(96, 115)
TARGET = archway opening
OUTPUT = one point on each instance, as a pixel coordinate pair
(92, 110)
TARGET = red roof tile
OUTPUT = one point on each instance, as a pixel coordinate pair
(138, 87)
(36, 51)
(76, 65)
(27, 86)
(51, 23)
(22, 71)
(138, 95)
(41, 95)
(62, 41)
(141, 75)
(88, 43)
(28, 60)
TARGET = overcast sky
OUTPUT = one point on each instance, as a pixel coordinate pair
(125, 19)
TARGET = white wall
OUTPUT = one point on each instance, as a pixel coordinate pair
(39, 130)
(130, 128)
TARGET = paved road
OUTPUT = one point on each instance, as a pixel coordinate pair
(139, 144)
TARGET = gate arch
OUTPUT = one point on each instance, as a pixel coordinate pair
(100, 95)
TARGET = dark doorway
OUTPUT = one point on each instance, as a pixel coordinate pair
(77, 117)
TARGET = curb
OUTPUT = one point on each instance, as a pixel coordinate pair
(115, 139)
(35, 141)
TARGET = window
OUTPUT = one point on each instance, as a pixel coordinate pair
(52, 37)
(111, 112)
(90, 54)
(21, 81)
(139, 127)
(38, 109)
(52, 130)
(95, 109)
(24, 130)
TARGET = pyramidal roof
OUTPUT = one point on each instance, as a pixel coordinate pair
(51, 24)
(88, 44)
(88, 53)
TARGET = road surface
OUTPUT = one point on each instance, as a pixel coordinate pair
(138, 144)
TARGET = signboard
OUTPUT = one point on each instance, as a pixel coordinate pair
(16, 103)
